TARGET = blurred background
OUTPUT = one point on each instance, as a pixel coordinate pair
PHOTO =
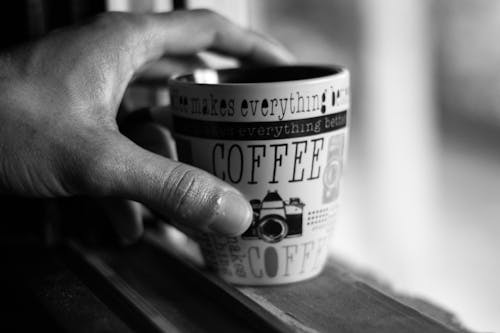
(421, 192)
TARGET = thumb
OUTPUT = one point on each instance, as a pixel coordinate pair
(189, 196)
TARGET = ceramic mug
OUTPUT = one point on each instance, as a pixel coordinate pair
(279, 135)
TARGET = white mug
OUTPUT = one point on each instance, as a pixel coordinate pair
(279, 135)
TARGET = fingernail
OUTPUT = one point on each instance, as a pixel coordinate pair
(233, 215)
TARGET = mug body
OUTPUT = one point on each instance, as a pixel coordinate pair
(279, 135)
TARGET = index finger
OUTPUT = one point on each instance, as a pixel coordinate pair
(188, 32)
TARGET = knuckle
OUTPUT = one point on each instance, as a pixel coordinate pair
(112, 19)
(120, 34)
(180, 188)
(215, 23)
(204, 12)
(209, 16)
(119, 25)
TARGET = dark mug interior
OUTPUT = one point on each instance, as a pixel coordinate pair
(268, 74)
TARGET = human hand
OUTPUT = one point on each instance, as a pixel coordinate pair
(59, 98)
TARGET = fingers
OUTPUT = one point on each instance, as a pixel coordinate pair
(126, 218)
(148, 37)
(158, 72)
(152, 137)
(188, 195)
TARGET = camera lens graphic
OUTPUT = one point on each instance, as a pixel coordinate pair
(272, 228)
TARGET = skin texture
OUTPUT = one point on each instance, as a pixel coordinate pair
(59, 98)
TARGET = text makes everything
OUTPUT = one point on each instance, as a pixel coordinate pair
(278, 107)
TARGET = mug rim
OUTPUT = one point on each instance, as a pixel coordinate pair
(335, 71)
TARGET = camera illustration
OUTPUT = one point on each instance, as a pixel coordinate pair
(274, 219)
(333, 169)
